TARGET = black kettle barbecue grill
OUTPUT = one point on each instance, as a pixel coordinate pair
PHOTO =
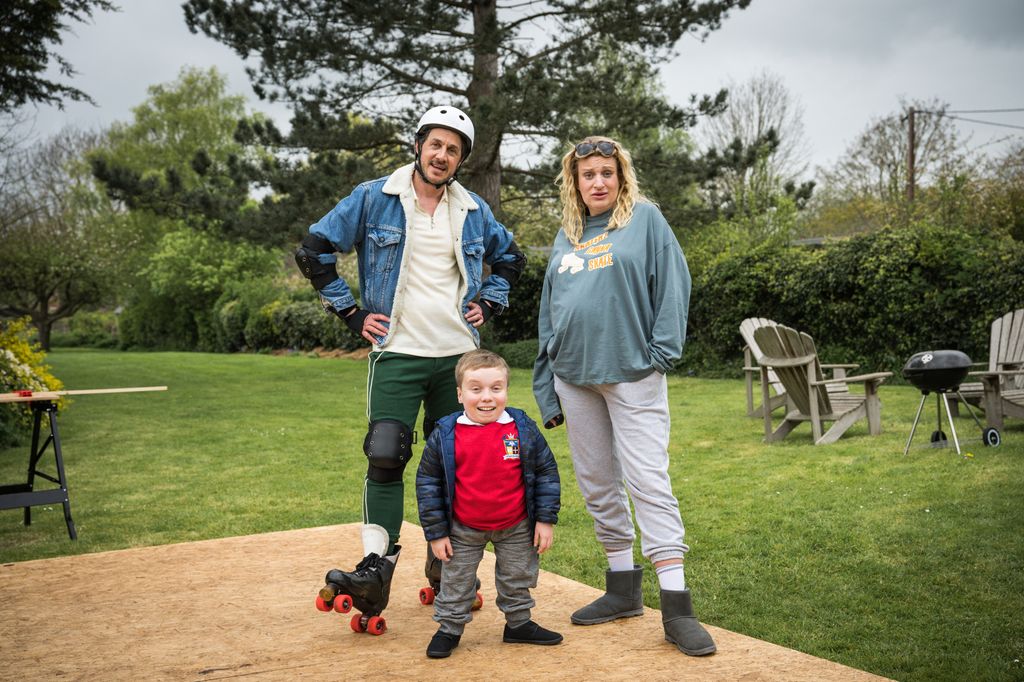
(941, 372)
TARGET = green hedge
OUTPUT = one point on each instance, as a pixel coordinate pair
(89, 328)
(519, 354)
(273, 320)
(874, 299)
(519, 322)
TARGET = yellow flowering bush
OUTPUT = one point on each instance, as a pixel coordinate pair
(21, 368)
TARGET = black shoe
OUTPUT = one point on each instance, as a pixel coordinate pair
(530, 633)
(441, 644)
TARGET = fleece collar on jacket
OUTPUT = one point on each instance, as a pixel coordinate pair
(400, 182)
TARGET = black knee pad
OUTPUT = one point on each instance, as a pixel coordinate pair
(378, 475)
(388, 444)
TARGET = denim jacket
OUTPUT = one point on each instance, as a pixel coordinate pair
(372, 220)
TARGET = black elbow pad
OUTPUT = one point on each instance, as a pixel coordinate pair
(307, 257)
(511, 271)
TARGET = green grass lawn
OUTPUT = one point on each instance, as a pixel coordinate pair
(909, 567)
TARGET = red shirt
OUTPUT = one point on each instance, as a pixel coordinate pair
(489, 493)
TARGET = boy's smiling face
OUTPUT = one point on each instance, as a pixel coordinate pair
(484, 393)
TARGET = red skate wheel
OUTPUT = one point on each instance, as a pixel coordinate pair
(376, 625)
(321, 605)
(357, 623)
(478, 603)
(427, 596)
(343, 603)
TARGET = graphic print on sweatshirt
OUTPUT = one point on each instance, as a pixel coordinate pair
(598, 256)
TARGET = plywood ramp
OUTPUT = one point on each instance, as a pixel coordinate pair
(243, 608)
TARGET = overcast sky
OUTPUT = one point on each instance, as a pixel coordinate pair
(847, 62)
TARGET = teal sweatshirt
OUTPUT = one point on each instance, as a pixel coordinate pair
(613, 309)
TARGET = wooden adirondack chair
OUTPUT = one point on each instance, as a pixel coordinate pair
(795, 360)
(751, 356)
(1001, 389)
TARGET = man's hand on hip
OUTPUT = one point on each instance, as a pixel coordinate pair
(366, 324)
(478, 313)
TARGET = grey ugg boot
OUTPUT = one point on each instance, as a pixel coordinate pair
(623, 597)
(681, 626)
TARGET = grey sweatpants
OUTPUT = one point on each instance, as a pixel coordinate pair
(618, 436)
(516, 567)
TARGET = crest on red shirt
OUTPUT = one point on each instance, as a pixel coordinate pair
(511, 446)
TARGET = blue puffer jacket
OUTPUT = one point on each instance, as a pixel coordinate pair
(435, 479)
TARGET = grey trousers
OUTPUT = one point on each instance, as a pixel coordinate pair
(618, 436)
(516, 568)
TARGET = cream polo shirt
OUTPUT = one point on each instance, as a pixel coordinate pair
(431, 322)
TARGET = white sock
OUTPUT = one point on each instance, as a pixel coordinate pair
(621, 560)
(671, 577)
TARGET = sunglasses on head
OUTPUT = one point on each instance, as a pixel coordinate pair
(604, 148)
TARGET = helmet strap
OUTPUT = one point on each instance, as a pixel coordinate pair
(419, 169)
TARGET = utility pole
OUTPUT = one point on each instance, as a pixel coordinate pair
(910, 154)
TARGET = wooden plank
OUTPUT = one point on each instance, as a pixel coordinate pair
(35, 396)
(1015, 351)
(97, 391)
(747, 328)
(823, 396)
(770, 339)
(1006, 322)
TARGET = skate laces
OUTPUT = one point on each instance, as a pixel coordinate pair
(371, 560)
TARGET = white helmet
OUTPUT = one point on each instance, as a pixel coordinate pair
(451, 118)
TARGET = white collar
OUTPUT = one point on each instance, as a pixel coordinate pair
(399, 183)
(505, 418)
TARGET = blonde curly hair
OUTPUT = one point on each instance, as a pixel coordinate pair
(574, 211)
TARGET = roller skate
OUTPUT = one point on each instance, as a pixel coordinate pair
(432, 570)
(366, 588)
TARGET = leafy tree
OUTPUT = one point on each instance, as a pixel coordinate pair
(310, 171)
(56, 245)
(172, 302)
(193, 154)
(14, 136)
(29, 30)
(986, 197)
(180, 174)
(867, 186)
(178, 158)
(1002, 194)
(876, 163)
(762, 134)
(533, 72)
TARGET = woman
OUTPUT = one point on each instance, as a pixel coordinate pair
(612, 323)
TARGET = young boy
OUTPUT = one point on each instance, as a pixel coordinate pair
(487, 475)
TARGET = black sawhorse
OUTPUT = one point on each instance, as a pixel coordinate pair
(24, 494)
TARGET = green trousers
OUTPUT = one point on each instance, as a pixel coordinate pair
(396, 387)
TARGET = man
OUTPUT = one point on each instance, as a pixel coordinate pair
(421, 240)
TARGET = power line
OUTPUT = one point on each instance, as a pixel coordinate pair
(947, 113)
(979, 111)
(989, 123)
